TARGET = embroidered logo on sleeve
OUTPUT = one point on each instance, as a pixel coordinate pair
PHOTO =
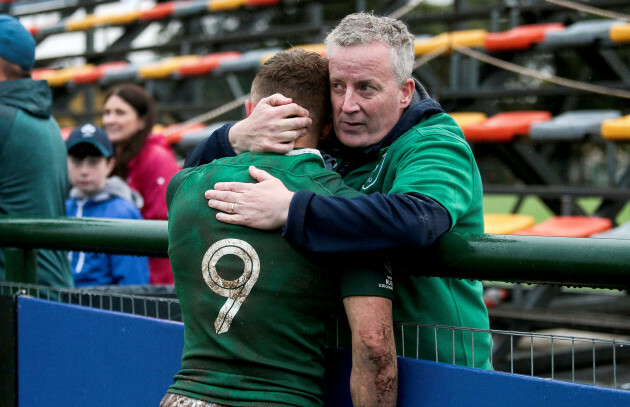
(389, 280)
(376, 172)
(389, 283)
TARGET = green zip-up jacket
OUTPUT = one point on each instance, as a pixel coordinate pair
(33, 168)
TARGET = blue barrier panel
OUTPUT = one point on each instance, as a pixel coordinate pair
(432, 384)
(435, 384)
(77, 356)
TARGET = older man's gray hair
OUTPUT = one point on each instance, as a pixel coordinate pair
(364, 28)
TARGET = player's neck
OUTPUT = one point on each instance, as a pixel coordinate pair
(307, 141)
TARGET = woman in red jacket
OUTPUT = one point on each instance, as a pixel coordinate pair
(143, 159)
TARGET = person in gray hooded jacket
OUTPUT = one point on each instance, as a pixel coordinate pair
(33, 170)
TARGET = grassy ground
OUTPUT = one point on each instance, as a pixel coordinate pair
(535, 207)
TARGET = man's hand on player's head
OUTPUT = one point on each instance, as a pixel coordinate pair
(273, 126)
(263, 205)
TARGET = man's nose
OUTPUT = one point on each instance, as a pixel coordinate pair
(349, 104)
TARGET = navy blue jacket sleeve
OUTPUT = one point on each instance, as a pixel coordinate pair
(329, 224)
(215, 146)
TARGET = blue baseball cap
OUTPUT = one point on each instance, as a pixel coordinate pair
(17, 45)
(90, 134)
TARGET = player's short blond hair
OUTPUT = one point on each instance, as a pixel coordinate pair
(299, 74)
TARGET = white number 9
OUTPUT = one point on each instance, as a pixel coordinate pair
(235, 290)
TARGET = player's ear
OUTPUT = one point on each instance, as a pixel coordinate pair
(326, 128)
(249, 107)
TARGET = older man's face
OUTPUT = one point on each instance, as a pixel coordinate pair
(366, 99)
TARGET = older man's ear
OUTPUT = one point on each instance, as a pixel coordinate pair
(406, 92)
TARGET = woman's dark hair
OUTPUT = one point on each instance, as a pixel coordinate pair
(144, 105)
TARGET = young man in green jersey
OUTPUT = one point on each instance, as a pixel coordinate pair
(410, 158)
(254, 307)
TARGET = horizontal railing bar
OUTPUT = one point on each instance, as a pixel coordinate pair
(120, 236)
(581, 320)
(603, 263)
(568, 261)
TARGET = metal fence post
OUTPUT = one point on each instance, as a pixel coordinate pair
(21, 265)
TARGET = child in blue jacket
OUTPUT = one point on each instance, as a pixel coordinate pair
(93, 194)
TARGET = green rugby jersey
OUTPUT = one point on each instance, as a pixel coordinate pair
(434, 159)
(253, 307)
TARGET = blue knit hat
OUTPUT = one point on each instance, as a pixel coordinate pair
(16, 43)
